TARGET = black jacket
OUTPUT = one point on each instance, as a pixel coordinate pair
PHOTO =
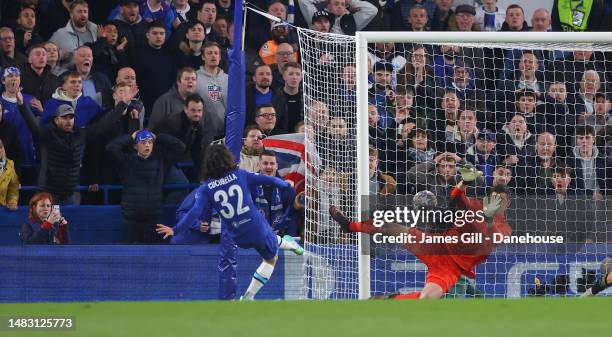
(62, 152)
(155, 73)
(286, 120)
(195, 135)
(40, 86)
(143, 178)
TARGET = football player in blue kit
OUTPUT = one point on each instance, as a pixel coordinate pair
(227, 190)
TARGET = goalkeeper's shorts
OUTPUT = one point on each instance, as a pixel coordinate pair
(441, 270)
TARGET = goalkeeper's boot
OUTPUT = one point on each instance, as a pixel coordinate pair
(340, 218)
(296, 248)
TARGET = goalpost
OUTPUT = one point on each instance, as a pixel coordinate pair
(466, 88)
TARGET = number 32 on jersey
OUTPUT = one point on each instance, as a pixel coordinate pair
(228, 211)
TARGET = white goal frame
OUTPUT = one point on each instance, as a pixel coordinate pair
(363, 38)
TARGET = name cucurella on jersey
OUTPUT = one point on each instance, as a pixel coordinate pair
(225, 180)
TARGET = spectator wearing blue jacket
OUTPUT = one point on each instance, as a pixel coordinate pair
(71, 93)
(483, 155)
(11, 81)
(274, 203)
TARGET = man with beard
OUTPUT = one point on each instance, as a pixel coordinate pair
(78, 31)
(259, 92)
(280, 34)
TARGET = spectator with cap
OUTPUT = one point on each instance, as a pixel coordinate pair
(288, 101)
(78, 31)
(322, 21)
(26, 32)
(259, 92)
(483, 154)
(489, 16)
(465, 19)
(143, 158)
(259, 28)
(212, 87)
(281, 34)
(36, 77)
(515, 20)
(71, 93)
(62, 147)
(9, 56)
(173, 101)
(11, 82)
(9, 181)
(155, 67)
(347, 18)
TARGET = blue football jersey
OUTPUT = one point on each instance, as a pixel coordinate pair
(230, 197)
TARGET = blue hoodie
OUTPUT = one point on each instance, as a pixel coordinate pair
(85, 108)
(11, 115)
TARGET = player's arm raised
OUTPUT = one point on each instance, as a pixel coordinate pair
(254, 179)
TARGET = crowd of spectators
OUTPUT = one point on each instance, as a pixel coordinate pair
(118, 92)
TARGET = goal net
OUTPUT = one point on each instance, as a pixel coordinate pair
(391, 114)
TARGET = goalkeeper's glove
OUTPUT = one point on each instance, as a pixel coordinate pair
(490, 205)
(469, 174)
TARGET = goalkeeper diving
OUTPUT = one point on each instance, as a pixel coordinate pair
(445, 262)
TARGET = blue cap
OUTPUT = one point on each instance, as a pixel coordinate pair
(486, 134)
(143, 135)
(10, 71)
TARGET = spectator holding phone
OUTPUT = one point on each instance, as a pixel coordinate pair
(45, 225)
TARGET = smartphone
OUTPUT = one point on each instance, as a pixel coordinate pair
(56, 209)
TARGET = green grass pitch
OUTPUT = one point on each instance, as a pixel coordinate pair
(524, 317)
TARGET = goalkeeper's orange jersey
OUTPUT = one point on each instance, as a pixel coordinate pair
(465, 255)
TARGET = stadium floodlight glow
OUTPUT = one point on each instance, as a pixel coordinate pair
(336, 83)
